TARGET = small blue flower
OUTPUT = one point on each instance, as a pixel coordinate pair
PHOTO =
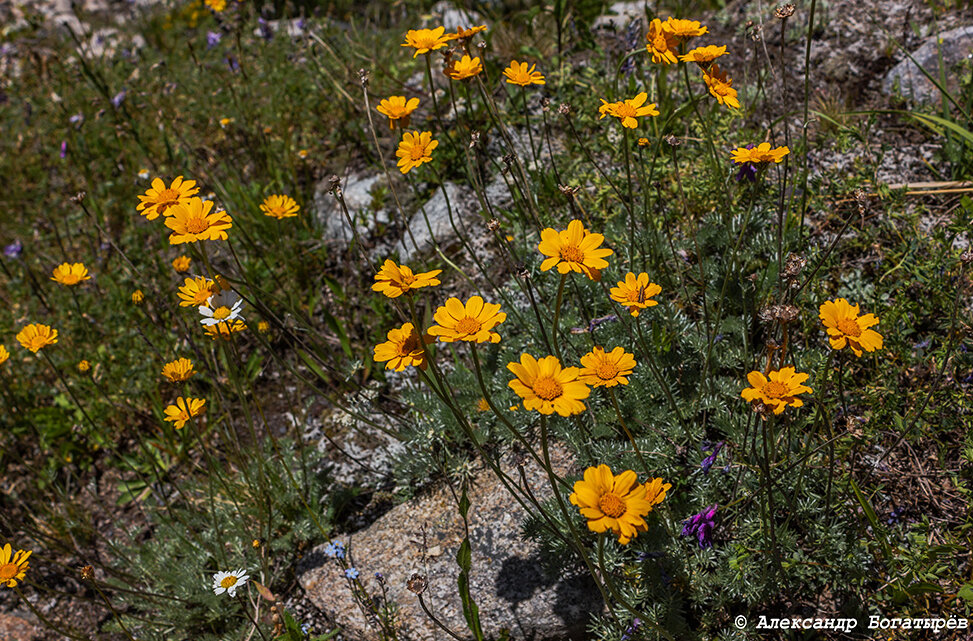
(351, 573)
(118, 99)
(213, 38)
(306, 629)
(335, 550)
(14, 249)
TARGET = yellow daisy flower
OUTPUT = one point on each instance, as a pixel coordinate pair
(398, 110)
(661, 43)
(574, 250)
(471, 322)
(547, 387)
(721, 87)
(183, 409)
(224, 329)
(13, 566)
(518, 74)
(394, 280)
(178, 370)
(4, 354)
(216, 5)
(159, 198)
(403, 349)
(704, 55)
(36, 336)
(760, 153)
(194, 221)
(617, 503)
(425, 40)
(606, 369)
(196, 291)
(684, 29)
(84, 366)
(635, 292)
(777, 390)
(182, 264)
(70, 274)
(279, 206)
(482, 405)
(415, 149)
(628, 110)
(463, 68)
(465, 34)
(846, 327)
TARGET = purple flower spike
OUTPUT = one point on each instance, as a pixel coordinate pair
(709, 460)
(64, 148)
(701, 526)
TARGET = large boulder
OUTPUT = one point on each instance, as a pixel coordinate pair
(950, 47)
(424, 534)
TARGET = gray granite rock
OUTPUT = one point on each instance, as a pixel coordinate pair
(357, 191)
(907, 80)
(424, 534)
(619, 14)
(437, 221)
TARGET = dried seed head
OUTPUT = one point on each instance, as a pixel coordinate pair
(417, 584)
(474, 139)
(672, 141)
(546, 103)
(523, 272)
(564, 109)
(87, 573)
(567, 190)
(794, 265)
(334, 183)
(363, 77)
(967, 257)
(78, 197)
(493, 225)
(784, 11)
(508, 159)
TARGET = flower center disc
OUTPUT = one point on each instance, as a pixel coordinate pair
(775, 389)
(606, 370)
(849, 327)
(408, 279)
(8, 571)
(611, 505)
(572, 254)
(221, 312)
(228, 582)
(468, 326)
(547, 388)
(410, 345)
(196, 225)
(659, 43)
(625, 110)
(417, 152)
(70, 279)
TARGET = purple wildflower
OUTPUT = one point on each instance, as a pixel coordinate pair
(709, 460)
(213, 38)
(266, 31)
(351, 573)
(232, 63)
(635, 625)
(64, 148)
(76, 119)
(701, 526)
(119, 98)
(14, 249)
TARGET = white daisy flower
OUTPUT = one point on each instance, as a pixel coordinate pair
(229, 581)
(222, 307)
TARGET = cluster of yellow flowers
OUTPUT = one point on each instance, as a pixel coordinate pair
(779, 389)
(664, 40)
